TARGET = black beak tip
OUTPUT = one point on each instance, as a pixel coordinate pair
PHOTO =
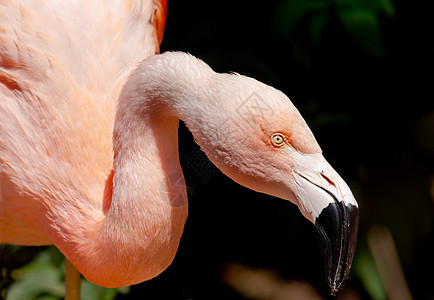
(334, 286)
(337, 230)
(334, 291)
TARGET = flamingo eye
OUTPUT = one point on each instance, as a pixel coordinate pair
(277, 139)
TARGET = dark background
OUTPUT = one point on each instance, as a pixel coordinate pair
(361, 73)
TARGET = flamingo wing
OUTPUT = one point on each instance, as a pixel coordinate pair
(62, 66)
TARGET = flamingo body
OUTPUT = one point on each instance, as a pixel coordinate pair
(89, 146)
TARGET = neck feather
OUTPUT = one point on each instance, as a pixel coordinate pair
(139, 235)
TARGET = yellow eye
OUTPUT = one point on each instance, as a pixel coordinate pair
(277, 139)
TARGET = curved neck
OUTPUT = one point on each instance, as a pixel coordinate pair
(144, 218)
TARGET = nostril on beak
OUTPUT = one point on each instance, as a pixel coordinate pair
(328, 179)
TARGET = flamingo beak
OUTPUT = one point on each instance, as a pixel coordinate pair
(337, 230)
(326, 200)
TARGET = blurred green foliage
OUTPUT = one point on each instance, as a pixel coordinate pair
(364, 267)
(40, 279)
(361, 18)
(43, 278)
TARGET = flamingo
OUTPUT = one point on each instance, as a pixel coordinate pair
(89, 149)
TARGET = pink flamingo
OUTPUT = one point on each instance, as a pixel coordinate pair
(89, 147)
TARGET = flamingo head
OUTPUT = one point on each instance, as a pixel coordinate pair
(255, 135)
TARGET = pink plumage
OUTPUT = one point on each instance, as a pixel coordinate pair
(89, 146)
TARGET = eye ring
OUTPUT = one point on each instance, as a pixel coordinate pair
(278, 139)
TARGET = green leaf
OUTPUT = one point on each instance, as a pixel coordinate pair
(317, 25)
(42, 279)
(386, 6)
(93, 291)
(38, 279)
(361, 19)
(291, 12)
(364, 25)
(365, 268)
